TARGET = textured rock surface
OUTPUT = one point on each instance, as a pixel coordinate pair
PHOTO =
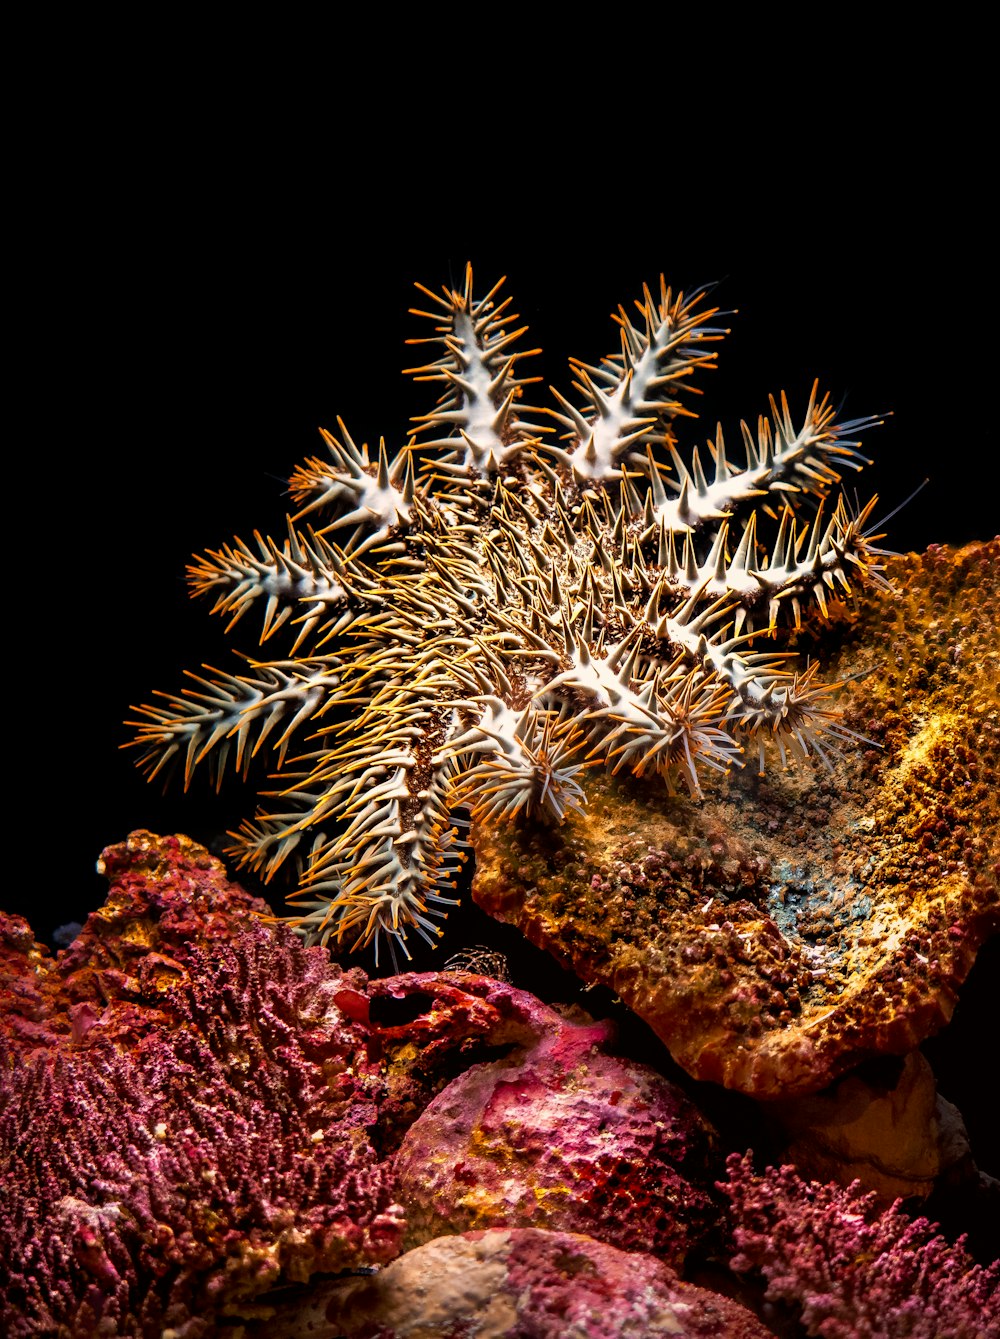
(195, 1112)
(855, 1271)
(794, 924)
(30, 993)
(168, 897)
(892, 1131)
(185, 1109)
(519, 1284)
(430, 1026)
(563, 1136)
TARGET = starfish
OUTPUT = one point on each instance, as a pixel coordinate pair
(517, 594)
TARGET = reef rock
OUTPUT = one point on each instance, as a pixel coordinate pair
(519, 1284)
(429, 1027)
(558, 1134)
(199, 1115)
(185, 1110)
(885, 1126)
(793, 924)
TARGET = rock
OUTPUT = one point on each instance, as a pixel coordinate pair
(561, 1135)
(517, 1284)
(430, 1026)
(891, 1132)
(198, 1116)
(793, 925)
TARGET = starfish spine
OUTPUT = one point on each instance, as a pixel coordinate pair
(481, 615)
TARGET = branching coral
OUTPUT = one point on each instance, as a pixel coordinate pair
(186, 1108)
(856, 1272)
(479, 616)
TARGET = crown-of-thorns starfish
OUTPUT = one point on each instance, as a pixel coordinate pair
(503, 610)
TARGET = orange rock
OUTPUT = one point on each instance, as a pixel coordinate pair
(792, 925)
(892, 1131)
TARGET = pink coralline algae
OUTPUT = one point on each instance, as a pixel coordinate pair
(559, 1135)
(429, 1026)
(187, 1124)
(857, 1272)
(518, 1284)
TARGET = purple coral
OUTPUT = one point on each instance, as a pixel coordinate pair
(855, 1271)
(197, 1136)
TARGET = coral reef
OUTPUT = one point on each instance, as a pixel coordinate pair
(503, 611)
(185, 1112)
(523, 1283)
(199, 1116)
(855, 1271)
(429, 1027)
(30, 994)
(563, 1136)
(789, 926)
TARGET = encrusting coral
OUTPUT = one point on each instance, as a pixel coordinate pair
(788, 927)
(207, 1127)
(196, 1109)
(517, 1283)
(479, 616)
(558, 1134)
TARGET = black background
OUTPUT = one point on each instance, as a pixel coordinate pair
(202, 370)
(207, 272)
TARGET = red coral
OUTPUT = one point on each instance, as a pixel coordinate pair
(857, 1272)
(29, 989)
(196, 1135)
(432, 1025)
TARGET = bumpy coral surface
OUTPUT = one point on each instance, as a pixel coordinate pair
(193, 1106)
(519, 1284)
(857, 1272)
(468, 623)
(429, 1027)
(790, 925)
(30, 993)
(561, 1135)
(185, 1111)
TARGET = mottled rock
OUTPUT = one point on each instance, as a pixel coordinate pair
(423, 1018)
(794, 924)
(186, 1121)
(560, 1135)
(168, 897)
(30, 992)
(429, 1027)
(517, 1284)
